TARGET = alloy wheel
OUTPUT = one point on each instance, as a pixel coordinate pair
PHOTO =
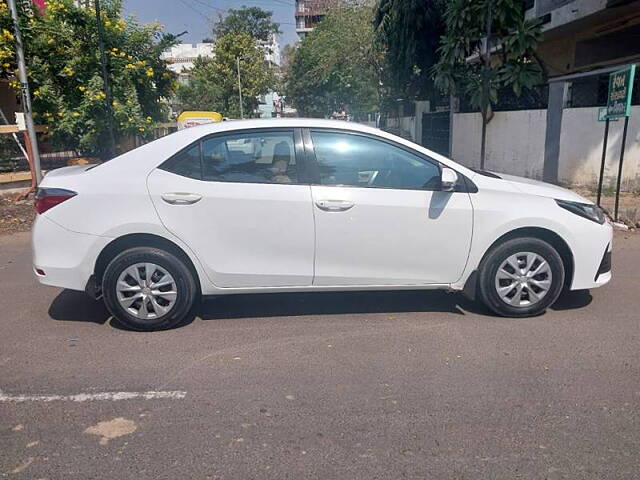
(146, 290)
(523, 279)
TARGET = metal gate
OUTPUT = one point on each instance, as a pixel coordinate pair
(435, 132)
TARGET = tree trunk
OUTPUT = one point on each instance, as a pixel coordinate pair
(485, 82)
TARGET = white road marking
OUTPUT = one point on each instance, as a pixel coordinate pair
(90, 397)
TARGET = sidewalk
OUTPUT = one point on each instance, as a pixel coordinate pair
(15, 216)
(629, 206)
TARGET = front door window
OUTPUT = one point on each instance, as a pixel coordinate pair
(360, 161)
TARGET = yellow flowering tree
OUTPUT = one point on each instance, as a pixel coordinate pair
(64, 70)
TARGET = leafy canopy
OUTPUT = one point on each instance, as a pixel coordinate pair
(513, 64)
(214, 81)
(64, 71)
(252, 21)
(410, 32)
(336, 66)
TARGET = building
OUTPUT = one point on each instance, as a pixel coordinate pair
(584, 41)
(271, 50)
(181, 57)
(309, 12)
(583, 35)
(268, 104)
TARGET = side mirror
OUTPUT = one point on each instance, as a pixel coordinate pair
(448, 180)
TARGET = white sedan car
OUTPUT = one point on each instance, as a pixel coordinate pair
(307, 205)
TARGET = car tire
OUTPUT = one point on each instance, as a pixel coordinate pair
(531, 267)
(159, 302)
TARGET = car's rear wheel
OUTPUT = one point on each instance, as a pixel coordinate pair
(148, 289)
(521, 277)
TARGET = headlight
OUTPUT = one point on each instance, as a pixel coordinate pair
(586, 210)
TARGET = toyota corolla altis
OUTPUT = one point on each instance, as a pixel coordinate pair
(307, 205)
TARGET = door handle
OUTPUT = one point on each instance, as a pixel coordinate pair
(181, 198)
(334, 205)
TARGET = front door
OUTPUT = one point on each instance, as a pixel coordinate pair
(380, 217)
(235, 199)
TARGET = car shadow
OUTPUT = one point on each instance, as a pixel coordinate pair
(333, 303)
(572, 300)
(73, 306)
(439, 201)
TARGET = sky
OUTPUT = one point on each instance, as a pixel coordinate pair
(195, 16)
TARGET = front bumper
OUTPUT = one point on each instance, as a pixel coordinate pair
(605, 264)
(62, 258)
(592, 268)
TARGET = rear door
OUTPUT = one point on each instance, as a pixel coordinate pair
(380, 216)
(239, 200)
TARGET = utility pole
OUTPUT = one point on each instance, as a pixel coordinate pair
(239, 87)
(26, 95)
(106, 81)
(485, 82)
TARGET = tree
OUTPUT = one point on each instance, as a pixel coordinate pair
(65, 75)
(476, 68)
(288, 52)
(337, 66)
(214, 82)
(252, 21)
(410, 32)
(203, 92)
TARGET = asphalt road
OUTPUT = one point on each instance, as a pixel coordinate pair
(327, 386)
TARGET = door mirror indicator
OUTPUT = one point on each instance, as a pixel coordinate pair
(448, 180)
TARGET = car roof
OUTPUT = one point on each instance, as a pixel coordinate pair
(279, 122)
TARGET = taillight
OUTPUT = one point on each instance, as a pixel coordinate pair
(47, 198)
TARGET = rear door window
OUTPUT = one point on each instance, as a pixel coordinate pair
(251, 157)
(185, 163)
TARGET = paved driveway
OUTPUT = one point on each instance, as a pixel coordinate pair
(326, 386)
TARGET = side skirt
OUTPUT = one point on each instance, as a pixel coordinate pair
(324, 288)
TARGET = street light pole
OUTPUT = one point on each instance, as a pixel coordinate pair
(26, 95)
(239, 87)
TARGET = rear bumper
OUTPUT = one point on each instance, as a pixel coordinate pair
(62, 258)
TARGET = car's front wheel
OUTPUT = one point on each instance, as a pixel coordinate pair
(521, 277)
(148, 289)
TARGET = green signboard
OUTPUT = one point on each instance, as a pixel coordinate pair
(620, 88)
